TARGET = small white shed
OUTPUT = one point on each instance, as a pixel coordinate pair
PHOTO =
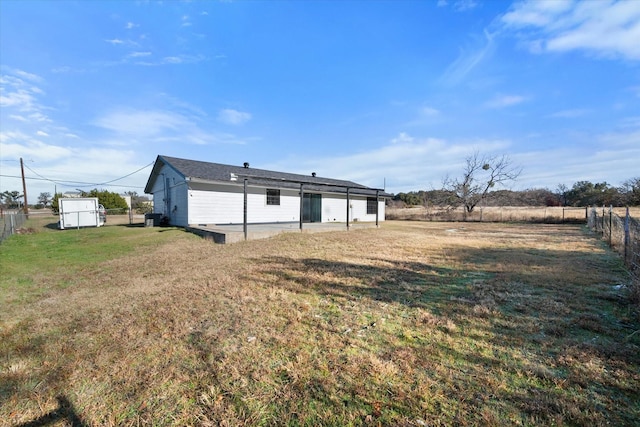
(79, 212)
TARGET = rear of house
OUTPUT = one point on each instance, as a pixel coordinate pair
(189, 192)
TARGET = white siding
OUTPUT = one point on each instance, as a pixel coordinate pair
(362, 212)
(224, 204)
(170, 196)
(215, 204)
(334, 208)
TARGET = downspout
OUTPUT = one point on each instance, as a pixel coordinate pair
(164, 195)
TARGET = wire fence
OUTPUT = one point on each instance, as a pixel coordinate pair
(623, 235)
(11, 223)
(539, 214)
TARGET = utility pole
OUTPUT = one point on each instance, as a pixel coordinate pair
(24, 190)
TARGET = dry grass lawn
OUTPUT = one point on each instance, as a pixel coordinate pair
(411, 324)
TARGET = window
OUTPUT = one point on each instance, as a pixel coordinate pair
(372, 205)
(273, 197)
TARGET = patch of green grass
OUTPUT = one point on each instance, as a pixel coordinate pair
(27, 260)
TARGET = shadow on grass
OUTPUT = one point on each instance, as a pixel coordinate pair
(515, 272)
(512, 278)
(411, 283)
(527, 296)
(64, 412)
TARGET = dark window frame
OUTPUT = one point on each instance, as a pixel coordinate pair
(273, 197)
(372, 205)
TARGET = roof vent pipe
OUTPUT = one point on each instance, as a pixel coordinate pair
(246, 165)
(313, 174)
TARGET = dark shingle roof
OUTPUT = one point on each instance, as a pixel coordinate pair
(217, 172)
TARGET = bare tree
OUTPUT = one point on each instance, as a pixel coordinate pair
(481, 174)
(562, 191)
(44, 199)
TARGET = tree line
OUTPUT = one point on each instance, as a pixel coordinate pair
(582, 193)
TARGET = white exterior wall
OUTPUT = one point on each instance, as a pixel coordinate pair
(170, 197)
(224, 204)
(334, 208)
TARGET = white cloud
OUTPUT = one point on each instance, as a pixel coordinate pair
(630, 122)
(406, 163)
(131, 25)
(172, 59)
(158, 126)
(41, 133)
(468, 59)
(142, 123)
(67, 69)
(138, 54)
(429, 111)
(402, 138)
(459, 5)
(28, 76)
(115, 41)
(464, 5)
(503, 101)
(17, 144)
(21, 99)
(608, 29)
(18, 95)
(409, 163)
(233, 117)
(569, 114)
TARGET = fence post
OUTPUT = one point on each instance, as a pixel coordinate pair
(610, 224)
(627, 237)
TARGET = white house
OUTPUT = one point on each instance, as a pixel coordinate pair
(192, 192)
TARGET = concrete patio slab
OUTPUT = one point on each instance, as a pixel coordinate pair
(232, 233)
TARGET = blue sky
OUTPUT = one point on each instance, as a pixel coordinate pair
(394, 93)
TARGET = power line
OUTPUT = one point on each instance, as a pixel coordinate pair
(81, 183)
(69, 183)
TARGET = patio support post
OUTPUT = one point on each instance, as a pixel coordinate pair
(348, 207)
(244, 221)
(301, 203)
(377, 203)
